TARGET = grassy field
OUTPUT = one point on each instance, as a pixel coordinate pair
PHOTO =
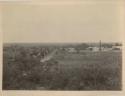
(91, 70)
(65, 71)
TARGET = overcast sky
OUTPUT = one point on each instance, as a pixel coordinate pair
(75, 22)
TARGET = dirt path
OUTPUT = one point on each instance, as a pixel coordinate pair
(48, 57)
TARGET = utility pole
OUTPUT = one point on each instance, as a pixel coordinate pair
(100, 46)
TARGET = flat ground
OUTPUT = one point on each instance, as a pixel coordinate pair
(65, 71)
(91, 70)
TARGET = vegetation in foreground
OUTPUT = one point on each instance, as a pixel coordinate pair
(65, 71)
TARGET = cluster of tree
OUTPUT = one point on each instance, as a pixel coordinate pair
(82, 46)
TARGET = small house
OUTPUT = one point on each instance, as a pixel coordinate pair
(93, 48)
(116, 47)
(71, 50)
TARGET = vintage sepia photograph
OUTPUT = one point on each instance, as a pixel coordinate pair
(62, 46)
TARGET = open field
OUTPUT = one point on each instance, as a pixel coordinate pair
(63, 71)
(91, 71)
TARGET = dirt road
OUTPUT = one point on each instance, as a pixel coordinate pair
(49, 56)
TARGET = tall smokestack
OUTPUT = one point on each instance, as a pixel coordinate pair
(100, 46)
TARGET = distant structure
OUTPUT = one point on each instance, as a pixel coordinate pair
(117, 47)
(100, 46)
(94, 49)
(71, 50)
